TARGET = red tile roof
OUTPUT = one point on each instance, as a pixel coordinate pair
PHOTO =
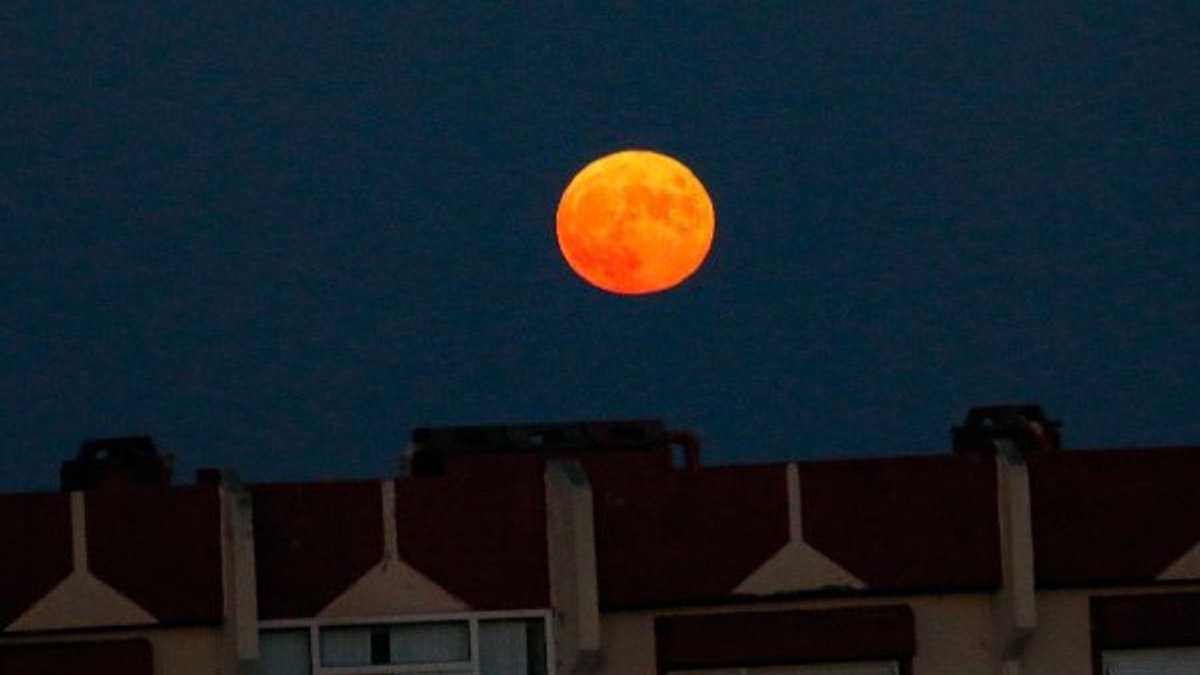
(311, 541)
(686, 537)
(480, 538)
(36, 531)
(906, 522)
(1113, 516)
(160, 548)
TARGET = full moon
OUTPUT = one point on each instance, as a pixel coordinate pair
(635, 222)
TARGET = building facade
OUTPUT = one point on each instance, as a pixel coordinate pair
(606, 548)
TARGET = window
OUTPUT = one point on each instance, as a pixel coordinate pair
(512, 647)
(1146, 634)
(871, 640)
(1180, 661)
(398, 644)
(127, 657)
(284, 652)
(469, 645)
(864, 668)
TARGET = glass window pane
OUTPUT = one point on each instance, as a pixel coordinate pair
(349, 646)
(431, 642)
(502, 648)
(535, 634)
(512, 647)
(405, 643)
(283, 652)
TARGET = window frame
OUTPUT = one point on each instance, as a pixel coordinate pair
(1122, 622)
(472, 619)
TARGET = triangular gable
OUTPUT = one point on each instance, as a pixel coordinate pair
(392, 587)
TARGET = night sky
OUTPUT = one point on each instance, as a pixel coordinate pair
(278, 236)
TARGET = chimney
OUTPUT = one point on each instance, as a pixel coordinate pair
(1026, 426)
(110, 463)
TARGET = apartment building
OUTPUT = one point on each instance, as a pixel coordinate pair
(607, 548)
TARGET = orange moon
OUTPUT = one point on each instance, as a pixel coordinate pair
(635, 222)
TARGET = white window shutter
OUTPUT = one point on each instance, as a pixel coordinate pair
(1181, 661)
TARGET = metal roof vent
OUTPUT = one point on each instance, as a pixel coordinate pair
(106, 463)
(630, 443)
(1026, 426)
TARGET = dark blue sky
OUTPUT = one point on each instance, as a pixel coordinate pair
(279, 236)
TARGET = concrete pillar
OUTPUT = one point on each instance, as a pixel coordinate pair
(240, 634)
(570, 531)
(1014, 607)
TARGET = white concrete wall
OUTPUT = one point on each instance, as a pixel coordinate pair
(570, 534)
(627, 643)
(191, 652)
(954, 633)
(1062, 644)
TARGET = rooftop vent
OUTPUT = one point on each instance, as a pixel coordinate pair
(1026, 426)
(435, 449)
(106, 463)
